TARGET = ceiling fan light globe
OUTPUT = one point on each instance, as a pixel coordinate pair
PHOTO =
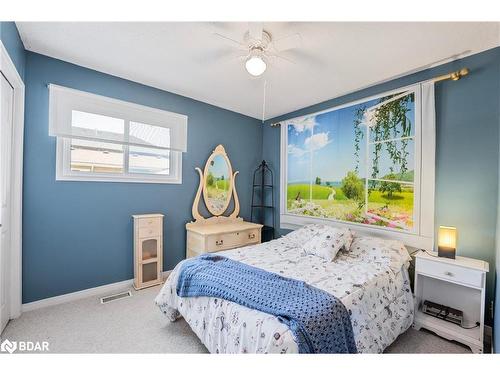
(255, 66)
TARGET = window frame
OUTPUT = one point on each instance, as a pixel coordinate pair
(368, 163)
(105, 106)
(422, 236)
(64, 172)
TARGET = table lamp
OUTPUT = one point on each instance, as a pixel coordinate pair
(447, 242)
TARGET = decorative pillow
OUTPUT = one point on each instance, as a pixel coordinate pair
(327, 243)
(304, 234)
(380, 250)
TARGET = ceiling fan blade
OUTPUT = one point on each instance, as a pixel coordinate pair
(218, 56)
(305, 57)
(288, 42)
(273, 59)
(232, 41)
(255, 30)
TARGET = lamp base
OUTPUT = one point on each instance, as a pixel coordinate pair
(446, 252)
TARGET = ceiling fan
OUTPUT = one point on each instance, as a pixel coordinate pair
(260, 47)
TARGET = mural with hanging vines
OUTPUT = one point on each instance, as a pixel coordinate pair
(375, 185)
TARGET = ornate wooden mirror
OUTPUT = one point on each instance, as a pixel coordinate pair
(217, 185)
(218, 180)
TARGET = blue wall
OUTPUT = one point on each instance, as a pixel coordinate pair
(14, 46)
(467, 153)
(78, 235)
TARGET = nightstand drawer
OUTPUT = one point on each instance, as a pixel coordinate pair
(450, 272)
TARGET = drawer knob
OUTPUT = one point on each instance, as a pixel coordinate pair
(251, 235)
(219, 243)
(448, 273)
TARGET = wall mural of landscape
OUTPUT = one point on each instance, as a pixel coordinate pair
(355, 163)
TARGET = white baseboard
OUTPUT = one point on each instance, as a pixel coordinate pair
(97, 291)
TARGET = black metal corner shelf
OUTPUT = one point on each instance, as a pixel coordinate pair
(265, 174)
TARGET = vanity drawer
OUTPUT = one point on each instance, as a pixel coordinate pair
(230, 240)
(450, 272)
(253, 236)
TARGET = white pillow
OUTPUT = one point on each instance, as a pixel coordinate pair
(380, 250)
(327, 243)
(302, 235)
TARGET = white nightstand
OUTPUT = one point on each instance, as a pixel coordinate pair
(458, 283)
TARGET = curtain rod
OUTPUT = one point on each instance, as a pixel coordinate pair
(454, 76)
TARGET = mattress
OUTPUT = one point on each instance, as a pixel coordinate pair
(371, 280)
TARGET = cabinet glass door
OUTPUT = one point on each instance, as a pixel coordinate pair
(149, 248)
(149, 272)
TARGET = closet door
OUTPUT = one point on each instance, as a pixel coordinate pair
(6, 109)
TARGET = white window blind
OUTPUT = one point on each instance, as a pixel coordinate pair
(80, 115)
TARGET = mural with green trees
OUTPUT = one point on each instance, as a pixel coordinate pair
(355, 163)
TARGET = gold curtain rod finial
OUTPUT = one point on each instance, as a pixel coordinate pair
(454, 76)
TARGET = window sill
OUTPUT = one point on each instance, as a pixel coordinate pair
(140, 180)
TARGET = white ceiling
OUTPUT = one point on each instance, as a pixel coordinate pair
(187, 59)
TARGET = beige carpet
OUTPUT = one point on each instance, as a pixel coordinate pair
(135, 325)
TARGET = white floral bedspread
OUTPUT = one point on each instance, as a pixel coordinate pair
(371, 280)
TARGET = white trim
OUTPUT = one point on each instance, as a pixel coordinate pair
(10, 72)
(75, 296)
(402, 95)
(423, 233)
(358, 101)
(64, 172)
(427, 145)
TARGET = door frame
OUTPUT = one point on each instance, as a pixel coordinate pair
(8, 69)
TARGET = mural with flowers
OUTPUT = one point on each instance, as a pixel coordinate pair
(355, 163)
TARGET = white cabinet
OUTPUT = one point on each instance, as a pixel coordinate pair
(148, 250)
(458, 283)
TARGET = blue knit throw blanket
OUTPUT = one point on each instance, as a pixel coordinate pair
(319, 322)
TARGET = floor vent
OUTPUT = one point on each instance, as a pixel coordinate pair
(115, 297)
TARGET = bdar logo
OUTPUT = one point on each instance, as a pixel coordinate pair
(8, 346)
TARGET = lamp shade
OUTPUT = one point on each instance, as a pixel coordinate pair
(447, 242)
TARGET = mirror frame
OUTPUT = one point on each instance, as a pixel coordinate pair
(219, 151)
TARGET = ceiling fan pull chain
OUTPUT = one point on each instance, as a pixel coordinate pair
(264, 102)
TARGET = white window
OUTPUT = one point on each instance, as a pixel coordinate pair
(104, 139)
(368, 165)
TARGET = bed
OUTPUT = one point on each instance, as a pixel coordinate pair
(370, 279)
